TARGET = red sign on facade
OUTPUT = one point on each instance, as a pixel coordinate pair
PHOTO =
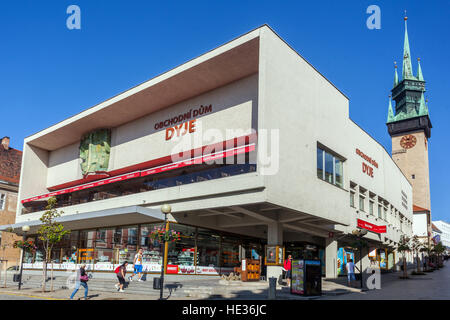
(371, 227)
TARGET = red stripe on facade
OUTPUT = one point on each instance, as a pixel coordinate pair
(172, 166)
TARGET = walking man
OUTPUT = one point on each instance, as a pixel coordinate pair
(137, 265)
(350, 272)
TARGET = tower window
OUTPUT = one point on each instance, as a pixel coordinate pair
(413, 176)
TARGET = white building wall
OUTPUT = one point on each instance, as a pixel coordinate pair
(420, 225)
(307, 109)
(445, 228)
(233, 110)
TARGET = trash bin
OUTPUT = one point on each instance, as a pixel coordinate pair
(156, 283)
(16, 277)
(272, 294)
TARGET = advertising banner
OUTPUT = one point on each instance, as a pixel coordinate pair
(207, 270)
(186, 269)
(297, 281)
(151, 267)
(172, 269)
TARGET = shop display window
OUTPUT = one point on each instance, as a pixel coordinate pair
(105, 238)
(69, 255)
(182, 253)
(152, 253)
(230, 253)
(39, 257)
(103, 255)
(28, 257)
(87, 239)
(208, 248)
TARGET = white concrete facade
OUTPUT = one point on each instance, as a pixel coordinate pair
(255, 83)
(445, 235)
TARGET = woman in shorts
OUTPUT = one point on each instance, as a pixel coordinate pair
(121, 276)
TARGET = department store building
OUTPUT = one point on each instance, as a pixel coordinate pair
(252, 148)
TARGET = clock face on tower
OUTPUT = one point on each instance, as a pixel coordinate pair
(408, 141)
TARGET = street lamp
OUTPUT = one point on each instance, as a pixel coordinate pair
(165, 209)
(360, 233)
(25, 229)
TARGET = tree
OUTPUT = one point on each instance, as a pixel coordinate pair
(439, 249)
(50, 233)
(416, 246)
(403, 247)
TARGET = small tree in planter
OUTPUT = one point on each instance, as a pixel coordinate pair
(416, 245)
(439, 249)
(403, 247)
(50, 233)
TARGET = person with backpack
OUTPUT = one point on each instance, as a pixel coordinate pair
(121, 271)
(82, 279)
(137, 265)
(288, 266)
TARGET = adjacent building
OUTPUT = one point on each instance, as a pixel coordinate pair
(444, 235)
(251, 146)
(10, 162)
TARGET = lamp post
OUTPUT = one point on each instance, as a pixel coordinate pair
(360, 233)
(165, 209)
(25, 229)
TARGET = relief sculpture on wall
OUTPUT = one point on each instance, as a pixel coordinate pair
(94, 151)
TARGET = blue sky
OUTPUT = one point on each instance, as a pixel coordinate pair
(48, 72)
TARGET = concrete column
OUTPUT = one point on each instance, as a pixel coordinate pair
(274, 238)
(331, 248)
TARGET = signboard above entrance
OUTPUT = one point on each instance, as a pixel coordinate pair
(371, 227)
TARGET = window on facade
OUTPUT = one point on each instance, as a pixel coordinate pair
(379, 211)
(361, 203)
(352, 199)
(385, 213)
(371, 207)
(338, 172)
(2, 201)
(329, 167)
(320, 163)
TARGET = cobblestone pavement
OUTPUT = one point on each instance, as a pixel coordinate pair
(431, 286)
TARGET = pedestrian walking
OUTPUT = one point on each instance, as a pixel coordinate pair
(137, 262)
(350, 272)
(121, 271)
(287, 266)
(82, 279)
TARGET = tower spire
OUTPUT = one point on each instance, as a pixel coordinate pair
(395, 74)
(419, 71)
(423, 109)
(407, 66)
(391, 116)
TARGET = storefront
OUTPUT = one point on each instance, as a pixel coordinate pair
(199, 251)
(345, 254)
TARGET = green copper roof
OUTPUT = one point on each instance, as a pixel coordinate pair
(423, 109)
(391, 117)
(407, 66)
(419, 71)
(395, 76)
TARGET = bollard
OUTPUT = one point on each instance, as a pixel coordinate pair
(272, 288)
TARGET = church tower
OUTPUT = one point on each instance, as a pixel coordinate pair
(410, 128)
